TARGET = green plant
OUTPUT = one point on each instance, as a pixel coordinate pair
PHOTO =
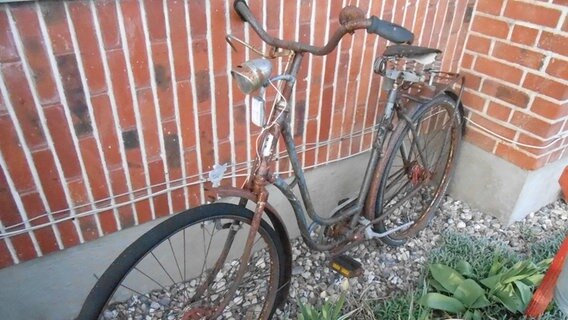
(331, 310)
(479, 252)
(547, 247)
(402, 307)
(458, 292)
(455, 294)
(483, 255)
(528, 233)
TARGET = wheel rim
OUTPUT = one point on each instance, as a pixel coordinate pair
(187, 274)
(418, 175)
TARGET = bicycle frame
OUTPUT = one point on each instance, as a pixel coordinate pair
(344, 227)
(360, 210)
(278, 126)
(261, 174)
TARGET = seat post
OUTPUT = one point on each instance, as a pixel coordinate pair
(391, 100)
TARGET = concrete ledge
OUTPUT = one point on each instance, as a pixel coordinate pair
(502, 189)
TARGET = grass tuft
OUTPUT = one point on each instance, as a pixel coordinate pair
(546, 248)
(399, 307)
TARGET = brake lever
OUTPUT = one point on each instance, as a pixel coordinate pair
(229, 38)
(271, 55)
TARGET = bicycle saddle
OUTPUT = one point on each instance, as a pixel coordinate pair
(408, 51)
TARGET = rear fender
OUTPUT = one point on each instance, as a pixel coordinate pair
(462, 112)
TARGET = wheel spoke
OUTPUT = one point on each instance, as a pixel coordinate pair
(412, 145)
(397, 192)
(405, 155)
(206, 252)
(175, 258)
(162, 266)
(152, 279)
(249, 283)
(220, 262)
(396, 177)
(127, 287)
(437, 162)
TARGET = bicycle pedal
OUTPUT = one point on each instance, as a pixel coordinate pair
(346, 266)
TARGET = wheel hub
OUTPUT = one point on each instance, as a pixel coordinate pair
(198, 313)
(418, 174)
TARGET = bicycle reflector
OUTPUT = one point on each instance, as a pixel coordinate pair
(252, 74)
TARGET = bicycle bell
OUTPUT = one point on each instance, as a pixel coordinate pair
(252, 74)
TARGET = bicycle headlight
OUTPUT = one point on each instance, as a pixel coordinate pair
(252, 74)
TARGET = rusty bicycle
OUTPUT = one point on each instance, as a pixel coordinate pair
(233, 261)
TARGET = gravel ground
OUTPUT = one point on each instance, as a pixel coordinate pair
(390, 270)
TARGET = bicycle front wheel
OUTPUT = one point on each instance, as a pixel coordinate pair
(184, 267)
(416, 170)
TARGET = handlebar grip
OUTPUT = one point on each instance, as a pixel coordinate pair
(389, 30)
(237, 9)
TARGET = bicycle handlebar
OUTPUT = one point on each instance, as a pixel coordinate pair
(385, 29)
(390, 31)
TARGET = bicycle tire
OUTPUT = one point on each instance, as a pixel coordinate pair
(222, 217)
(419, 208)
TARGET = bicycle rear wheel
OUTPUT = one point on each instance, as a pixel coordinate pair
(416, 170)
(183, 268)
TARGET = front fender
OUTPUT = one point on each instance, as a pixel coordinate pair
(221, 192)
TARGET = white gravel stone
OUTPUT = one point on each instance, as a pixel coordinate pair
(400, 269)
(388, 270)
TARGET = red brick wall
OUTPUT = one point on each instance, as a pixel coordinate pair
(112, 112)
(517, 68)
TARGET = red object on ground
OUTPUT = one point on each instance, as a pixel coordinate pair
(563, 181)
(545, 291)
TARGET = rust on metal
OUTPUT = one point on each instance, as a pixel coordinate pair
(350, 14)
(197, 313)
(299, 47)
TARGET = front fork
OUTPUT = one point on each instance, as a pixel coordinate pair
(245, 257)
(257, 185)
